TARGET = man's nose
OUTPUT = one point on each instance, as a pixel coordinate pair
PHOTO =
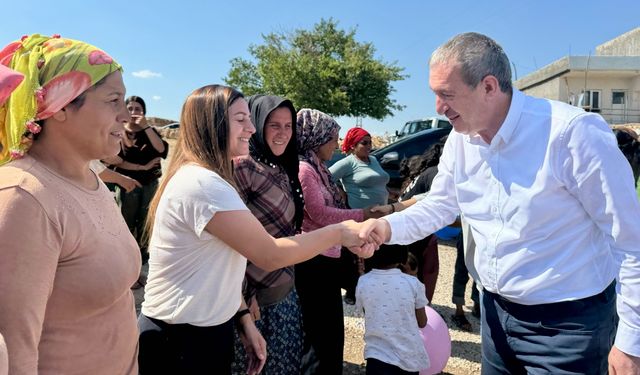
(441, 106)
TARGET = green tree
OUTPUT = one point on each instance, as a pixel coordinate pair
(324, 68)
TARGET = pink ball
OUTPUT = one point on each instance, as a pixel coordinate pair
(437, 342)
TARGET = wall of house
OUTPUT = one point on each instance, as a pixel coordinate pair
(563, 88)
(606, 86)
(549, 90)
(627, 44)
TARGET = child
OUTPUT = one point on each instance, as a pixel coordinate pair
(393, 304)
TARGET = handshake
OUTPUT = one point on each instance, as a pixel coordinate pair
(363, 239)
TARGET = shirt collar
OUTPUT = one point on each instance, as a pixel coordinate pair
(387, 271)
(511, 121)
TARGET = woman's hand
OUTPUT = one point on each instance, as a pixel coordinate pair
(254, 344)
(254, 309)
(138, 121)
(375, 212)
(127, 183)
(152, 164)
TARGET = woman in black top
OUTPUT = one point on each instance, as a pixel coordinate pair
(139, 158)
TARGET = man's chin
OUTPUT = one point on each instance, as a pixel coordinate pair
(461, 129)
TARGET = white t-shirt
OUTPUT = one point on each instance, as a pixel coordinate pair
(390, 299)
(97, 166)
(194, 277)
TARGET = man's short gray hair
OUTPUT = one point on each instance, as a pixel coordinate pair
(478, 56)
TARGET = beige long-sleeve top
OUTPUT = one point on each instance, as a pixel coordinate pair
(67, 261)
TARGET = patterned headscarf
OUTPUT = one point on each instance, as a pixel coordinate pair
(315, 129)
(354, 135)
(55, 72)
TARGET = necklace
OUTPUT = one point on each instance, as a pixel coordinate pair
(265, 161)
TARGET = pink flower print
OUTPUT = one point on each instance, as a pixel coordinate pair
(16, 154)
(60, 91)
(40, 95)
(7, 52)
(98, 57)
(9, 80)
(33, 127)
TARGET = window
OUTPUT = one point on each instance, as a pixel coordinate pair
(618, 97)
(590, 100)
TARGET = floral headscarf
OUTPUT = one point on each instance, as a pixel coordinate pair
(55, 71)
(315, 129)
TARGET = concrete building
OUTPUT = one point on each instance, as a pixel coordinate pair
(607, 83)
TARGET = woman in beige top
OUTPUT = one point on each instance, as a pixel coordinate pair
(67, 258)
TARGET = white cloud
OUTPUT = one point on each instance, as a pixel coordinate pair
(156, 97)
(146, 73)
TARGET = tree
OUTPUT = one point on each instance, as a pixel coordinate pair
(324, 69)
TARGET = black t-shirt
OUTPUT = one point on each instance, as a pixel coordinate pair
(142, 152)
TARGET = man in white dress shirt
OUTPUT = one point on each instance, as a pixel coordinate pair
(551, 204)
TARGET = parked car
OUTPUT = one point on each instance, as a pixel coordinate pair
(415, 126)
(391, 155)
(173, 125)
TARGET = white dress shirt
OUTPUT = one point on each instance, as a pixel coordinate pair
(552, 208)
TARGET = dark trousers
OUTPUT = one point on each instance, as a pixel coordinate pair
(183, 348)
(349, 272)
(572, 337)
(426, 252)
(318, 286)
(134, 206)
(461, 277)
(377, 367)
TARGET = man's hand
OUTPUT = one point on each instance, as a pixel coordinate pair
(351, 239)
(377, 229)
(621, 363)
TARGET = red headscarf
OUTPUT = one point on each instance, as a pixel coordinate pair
(354, 135)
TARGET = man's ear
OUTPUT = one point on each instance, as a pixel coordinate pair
(61, 115)
(490, 85)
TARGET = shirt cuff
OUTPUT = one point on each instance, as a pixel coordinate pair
(628, 339)
(396, 221)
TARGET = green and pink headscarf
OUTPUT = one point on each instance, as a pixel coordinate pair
(40, 75)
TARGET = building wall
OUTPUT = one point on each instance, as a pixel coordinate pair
(549, 90)
(563, 88)
(631, 112)
(627, 44)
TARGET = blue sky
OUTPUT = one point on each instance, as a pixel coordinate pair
(170, 48)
